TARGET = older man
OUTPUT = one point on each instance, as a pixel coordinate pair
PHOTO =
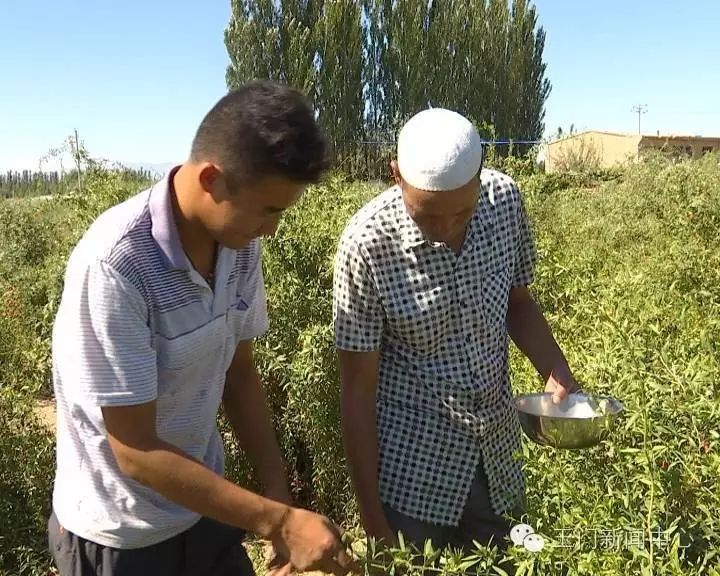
(430, 278)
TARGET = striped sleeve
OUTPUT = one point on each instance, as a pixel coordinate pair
(109, 339)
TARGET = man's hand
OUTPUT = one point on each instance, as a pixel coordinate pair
(311, 542)
(561, 383)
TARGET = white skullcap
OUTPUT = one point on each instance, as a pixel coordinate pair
(439, 149)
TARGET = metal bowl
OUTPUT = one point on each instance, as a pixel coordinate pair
(580, 421)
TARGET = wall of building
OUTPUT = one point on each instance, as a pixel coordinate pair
(604, 148)
(694, 147)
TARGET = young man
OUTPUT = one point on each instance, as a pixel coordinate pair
(163, 297)
(430, 278)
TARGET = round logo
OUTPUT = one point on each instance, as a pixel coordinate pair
(524, 535)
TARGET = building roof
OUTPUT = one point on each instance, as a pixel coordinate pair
(630, 135)
(583, 132)
(680, 137)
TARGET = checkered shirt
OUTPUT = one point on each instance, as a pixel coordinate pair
(438, 319)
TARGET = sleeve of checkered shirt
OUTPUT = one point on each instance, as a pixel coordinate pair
(357, 311)
(526, 252)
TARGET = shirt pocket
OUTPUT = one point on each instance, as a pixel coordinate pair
(497, 251)
(420, 316)
(492, 298)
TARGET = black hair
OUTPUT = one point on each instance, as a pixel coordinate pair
(263, 129)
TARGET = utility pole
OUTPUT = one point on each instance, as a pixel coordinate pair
(639, 109)
(77, 153)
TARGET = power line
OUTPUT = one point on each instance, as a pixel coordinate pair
(639, 109)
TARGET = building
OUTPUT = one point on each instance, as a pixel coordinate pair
(606, 149)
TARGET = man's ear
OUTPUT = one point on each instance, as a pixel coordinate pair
(209, 177)
(396, 172)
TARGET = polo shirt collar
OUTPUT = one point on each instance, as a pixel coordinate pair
(164, 228)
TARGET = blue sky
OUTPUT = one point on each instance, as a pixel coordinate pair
(135, 77)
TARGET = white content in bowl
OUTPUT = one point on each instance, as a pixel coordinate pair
(583, 410)
(577, 405)
(580, 406)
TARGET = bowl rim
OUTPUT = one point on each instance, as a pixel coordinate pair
(618, 403)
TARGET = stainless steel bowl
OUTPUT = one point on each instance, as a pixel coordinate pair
(580, 421)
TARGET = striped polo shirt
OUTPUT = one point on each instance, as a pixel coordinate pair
(138, 323)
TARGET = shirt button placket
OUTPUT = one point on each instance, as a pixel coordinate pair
(467, 324)
(466, 317)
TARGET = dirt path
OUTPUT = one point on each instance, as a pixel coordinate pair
(45, 413)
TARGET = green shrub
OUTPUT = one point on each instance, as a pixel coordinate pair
(26, 466)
